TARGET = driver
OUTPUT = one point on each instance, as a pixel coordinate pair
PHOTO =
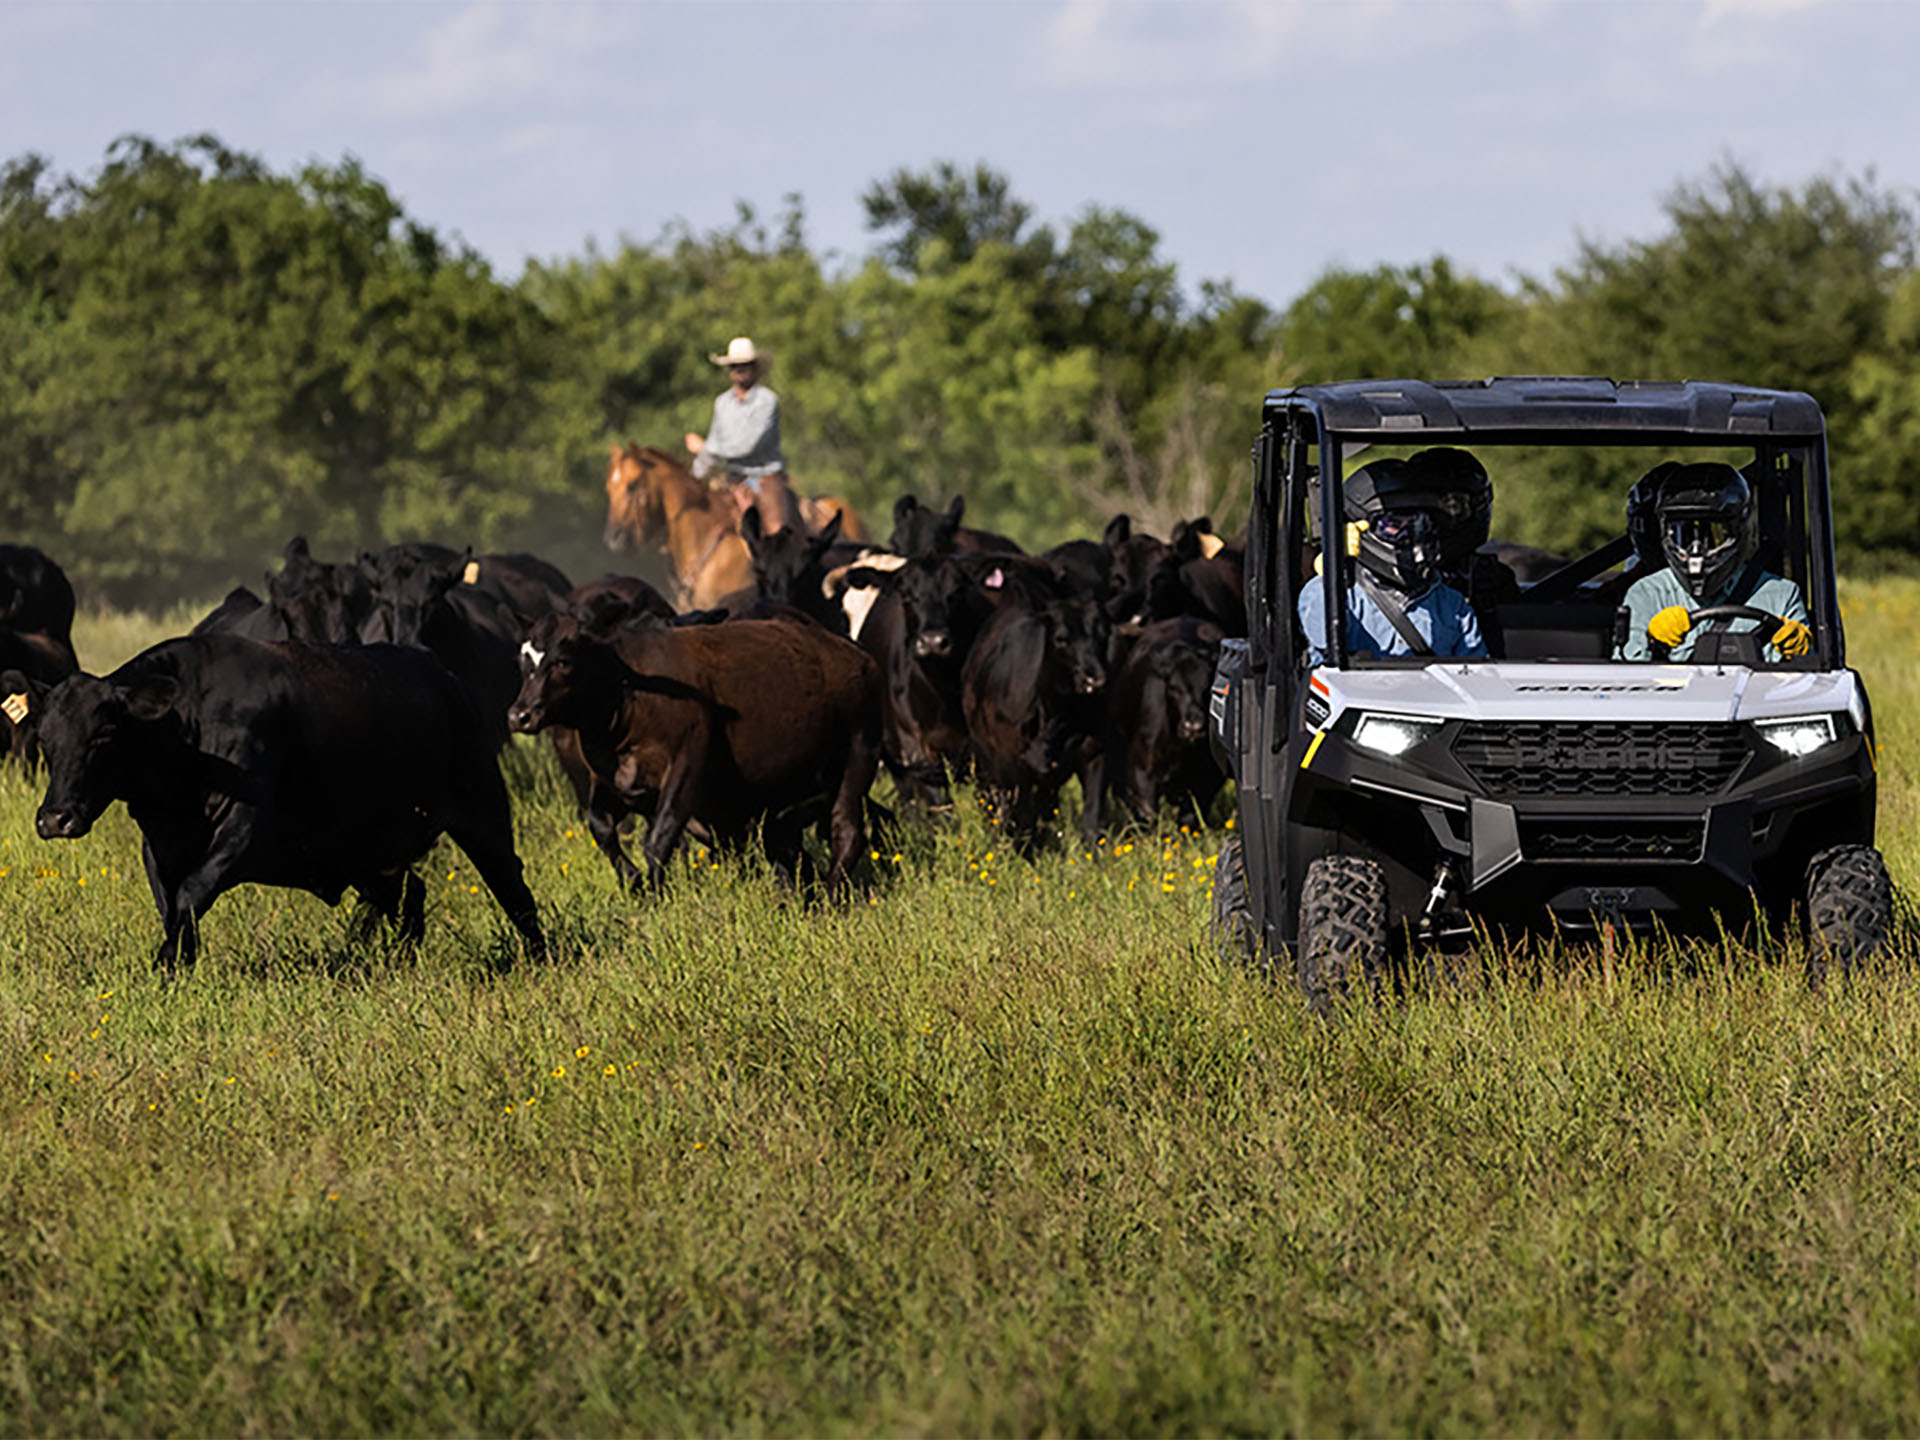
(1397, 603)
(1709, 535)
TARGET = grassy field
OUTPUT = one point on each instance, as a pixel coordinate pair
(996, 1149)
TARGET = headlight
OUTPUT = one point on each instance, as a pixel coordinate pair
(1392, 734)
(1802, 735)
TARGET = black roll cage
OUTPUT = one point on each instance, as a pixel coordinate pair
(1306, 430)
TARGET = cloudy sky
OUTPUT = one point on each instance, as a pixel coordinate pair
(1264, 139)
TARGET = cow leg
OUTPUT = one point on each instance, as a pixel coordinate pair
(605, 815)
(399, 899)
(1021, 813)
(677, 791)
(413, 908)
(846, 822)
(187, 899)
(484, 833)
(783, 838)
(1093, 773)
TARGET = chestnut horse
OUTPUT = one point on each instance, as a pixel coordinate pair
(816, 515)
(651, 495)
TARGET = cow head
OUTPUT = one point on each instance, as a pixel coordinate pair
(1146, 576)
(410, 583)
(97, 736)
(941, 607)
(1077, 641)
(1189, 679)
(789, 564)
(918, 530)
(557, 658)
(319, 603)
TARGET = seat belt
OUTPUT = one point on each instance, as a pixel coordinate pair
(1396, 617)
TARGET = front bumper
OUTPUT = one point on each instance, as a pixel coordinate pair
(1730, 825)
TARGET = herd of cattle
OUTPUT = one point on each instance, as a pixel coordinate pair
(326, 736)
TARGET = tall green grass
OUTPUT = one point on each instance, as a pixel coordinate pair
(995, 1148)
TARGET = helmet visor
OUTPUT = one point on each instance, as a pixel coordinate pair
(1699, 536)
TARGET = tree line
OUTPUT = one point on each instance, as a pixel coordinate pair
(200, 356)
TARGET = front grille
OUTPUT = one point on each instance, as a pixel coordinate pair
(1576, 757)
(1601, 839)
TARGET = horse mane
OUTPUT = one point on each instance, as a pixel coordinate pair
(636, 451)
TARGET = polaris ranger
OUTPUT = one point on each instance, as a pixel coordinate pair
(1392, 796)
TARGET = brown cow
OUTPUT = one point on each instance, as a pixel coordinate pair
(768, 725)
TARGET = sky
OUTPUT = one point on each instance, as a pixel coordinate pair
(1265, 140)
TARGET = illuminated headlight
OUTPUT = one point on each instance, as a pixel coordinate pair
(1802, 735)
(1392, 734)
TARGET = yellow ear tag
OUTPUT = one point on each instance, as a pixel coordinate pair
(1211, 545)
(1354, 527)
(16, 707)
(472, 573)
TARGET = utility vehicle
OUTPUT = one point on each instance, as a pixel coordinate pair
(1388, 804)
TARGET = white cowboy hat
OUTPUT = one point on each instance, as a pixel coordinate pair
(740, 351)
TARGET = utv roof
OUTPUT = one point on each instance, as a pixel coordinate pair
(1523, 406)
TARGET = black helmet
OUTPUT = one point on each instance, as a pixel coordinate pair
(1643, 524)
(1463, 497)
(1394, 526)
(1708, 526)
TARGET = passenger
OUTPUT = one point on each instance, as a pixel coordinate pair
(1709, 535)
(1464, 497)
(1397, 603)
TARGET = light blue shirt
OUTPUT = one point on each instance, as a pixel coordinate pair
(1442, 617)
(745, 436)
(1651, 594)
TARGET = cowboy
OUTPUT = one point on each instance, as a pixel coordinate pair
(744, 439)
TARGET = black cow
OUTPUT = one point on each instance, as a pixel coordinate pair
(1033, 691)
(790, 568)
(920, 531)
(527, 585)
(421, 598)
(1157, 746)
(36, 598)
(314, 767)
(317, 602)
(613, 600)
(919, 632)
(22, 698)
(245, 614)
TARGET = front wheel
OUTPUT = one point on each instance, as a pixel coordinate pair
(1235, 935)
(1343, 930)
(1849, 908)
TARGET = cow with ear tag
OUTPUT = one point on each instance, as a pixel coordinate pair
(318, 768)
(22, 697)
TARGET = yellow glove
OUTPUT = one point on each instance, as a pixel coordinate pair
(1670, 626)
(1792, 639)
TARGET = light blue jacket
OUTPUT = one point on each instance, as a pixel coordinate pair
(1651, 594)
(1441, 616)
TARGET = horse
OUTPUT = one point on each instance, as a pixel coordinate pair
(818, 513)
(650, 494)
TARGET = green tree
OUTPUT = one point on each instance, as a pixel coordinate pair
(220, 356)
(1422, 321)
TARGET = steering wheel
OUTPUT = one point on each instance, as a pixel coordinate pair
(1770, 623)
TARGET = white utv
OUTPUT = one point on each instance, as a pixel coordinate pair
(1388, 802)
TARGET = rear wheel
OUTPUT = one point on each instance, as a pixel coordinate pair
(1343, 930)
(1235, 936)
(1849, 908)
